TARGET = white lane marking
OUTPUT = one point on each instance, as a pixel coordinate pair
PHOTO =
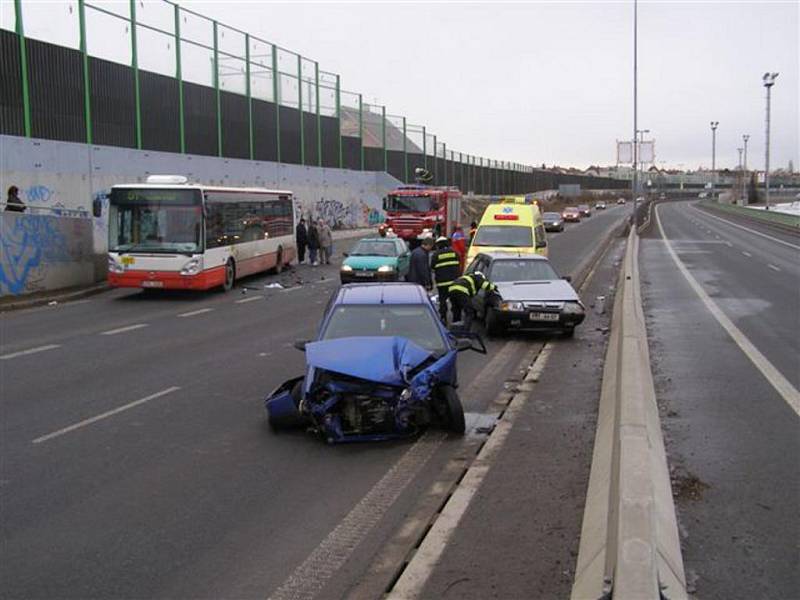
(250, 299)
(292, 289)
(192, 313)
(310, 577)
(773, 267)
(30, 351)
(753, 231)
(782, 385)
(124, 329)
(747, 254)
(729, 245)
(419, 569)
(104, 415)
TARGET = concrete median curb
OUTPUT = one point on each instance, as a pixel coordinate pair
(629, 546)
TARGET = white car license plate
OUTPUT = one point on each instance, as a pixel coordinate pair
(153, 284)
(540, 316)
(364, 274)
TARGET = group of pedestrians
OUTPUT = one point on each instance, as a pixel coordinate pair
(317, 238)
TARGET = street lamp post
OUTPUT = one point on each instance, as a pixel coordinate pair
(741, 177)
(745, 137)
(714, 125)
(769, 81)
(639, 140)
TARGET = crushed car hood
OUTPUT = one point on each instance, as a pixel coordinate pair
(379, 359)
(556, 290)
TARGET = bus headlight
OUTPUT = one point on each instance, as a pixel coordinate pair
(512, 306)
(347, 269)
(114, 266)
(192, 267)
(385, 269)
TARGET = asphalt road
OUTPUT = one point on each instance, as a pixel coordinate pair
(135, 461)
(728, 400)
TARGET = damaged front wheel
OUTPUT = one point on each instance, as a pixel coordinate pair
(453, 411)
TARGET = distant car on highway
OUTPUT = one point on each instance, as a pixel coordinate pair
(376, 259)
(601, 205)
(620, 200)
(662, 197)
(702, 195)
(571, 214)
(530, 295)
(553, 221)
(382, 367)
(586, 211)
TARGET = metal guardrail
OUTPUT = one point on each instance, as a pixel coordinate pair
(630, 547)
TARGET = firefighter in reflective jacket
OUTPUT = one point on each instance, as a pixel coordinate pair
(461, 293)
(446, 268)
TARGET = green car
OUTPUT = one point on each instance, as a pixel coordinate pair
(376, 259)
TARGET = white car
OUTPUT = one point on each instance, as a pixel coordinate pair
(620, 200)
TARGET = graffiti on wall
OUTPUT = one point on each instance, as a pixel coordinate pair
(27, 243)
(342, 215)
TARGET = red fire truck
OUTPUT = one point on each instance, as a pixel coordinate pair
(410, 209)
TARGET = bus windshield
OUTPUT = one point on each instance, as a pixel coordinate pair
(155, 220)
(398, 203)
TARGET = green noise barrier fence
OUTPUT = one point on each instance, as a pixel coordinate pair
(158, 76)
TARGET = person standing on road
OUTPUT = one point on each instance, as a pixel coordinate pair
(446, 269)
(473, 229)
(13, 201)
(325, 242)
(419, 269)
(301, 237)
(461, 293)
(459, 243)
(313, 243)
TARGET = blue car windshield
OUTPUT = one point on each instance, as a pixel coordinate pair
(411, 321)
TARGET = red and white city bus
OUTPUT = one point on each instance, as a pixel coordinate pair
(171, 234)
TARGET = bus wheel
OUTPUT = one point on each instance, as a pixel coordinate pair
(230, 275)
(279, 262)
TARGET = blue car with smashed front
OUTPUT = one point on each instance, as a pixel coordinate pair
(382, 367)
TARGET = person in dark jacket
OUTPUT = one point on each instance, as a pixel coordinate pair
(313, 243)
(13, 201)
(446, 269)
(419, 269)
(461, 293)
(301, 236)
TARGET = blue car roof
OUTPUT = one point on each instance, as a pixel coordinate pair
(382, 293)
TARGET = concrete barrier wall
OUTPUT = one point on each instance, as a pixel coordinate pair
(44, 252)
(63, 178)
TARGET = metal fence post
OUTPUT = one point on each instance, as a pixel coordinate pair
(276, 98)
(87, 97)
(444, 152)
(383, 139)
(23, 62)
(424, 148)
(135, 67)
(179, 77)
(405, 152)
(217, 91)
(435, 161)
(361, 127)
(300, 106)
(319, 118)
(339, 117)
(249, 93)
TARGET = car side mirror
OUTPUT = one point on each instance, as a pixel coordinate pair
(300, 345)
(97, 208)
(567, 278)
(541, 243)
(345, 254)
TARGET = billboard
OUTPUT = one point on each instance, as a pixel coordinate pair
(647, 152)
(624, 153)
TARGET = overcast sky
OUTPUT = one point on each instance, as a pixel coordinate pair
(536, 82)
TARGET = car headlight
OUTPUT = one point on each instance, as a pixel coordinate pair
(192, 267)
(114, 266)
(573, 308)
(347, 269)
(385, 269)
(512, 306)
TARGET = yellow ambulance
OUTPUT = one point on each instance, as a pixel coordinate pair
(510, 227)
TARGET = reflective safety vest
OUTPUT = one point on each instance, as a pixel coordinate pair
(446, 266)
(471, 285)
